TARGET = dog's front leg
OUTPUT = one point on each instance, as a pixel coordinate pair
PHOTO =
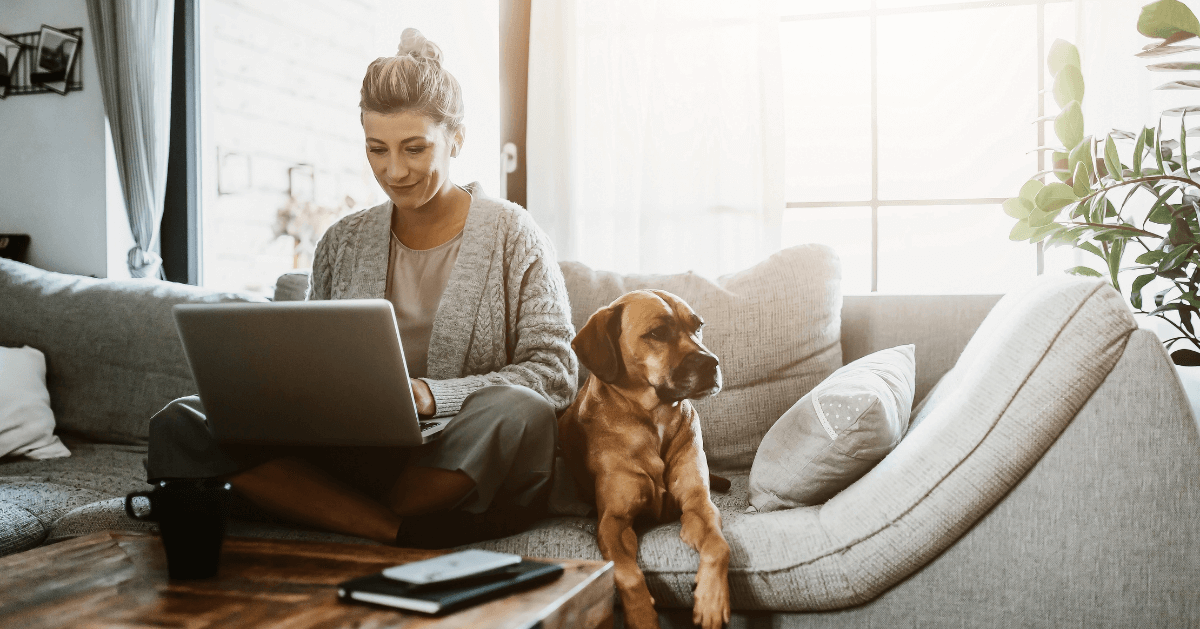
(702, 531)
(618, 504)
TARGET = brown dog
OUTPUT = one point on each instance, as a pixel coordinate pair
(632, 441)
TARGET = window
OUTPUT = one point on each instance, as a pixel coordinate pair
(907, 123)
(281, 146)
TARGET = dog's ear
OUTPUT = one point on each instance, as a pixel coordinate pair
(597, 344)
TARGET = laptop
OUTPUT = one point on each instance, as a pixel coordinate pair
(303, 373)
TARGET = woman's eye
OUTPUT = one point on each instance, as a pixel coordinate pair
(377, 150)
(415, 150)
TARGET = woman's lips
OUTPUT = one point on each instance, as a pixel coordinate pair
(409, 188)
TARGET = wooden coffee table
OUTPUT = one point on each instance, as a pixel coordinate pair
(120, 580)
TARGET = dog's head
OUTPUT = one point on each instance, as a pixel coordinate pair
(650, 338)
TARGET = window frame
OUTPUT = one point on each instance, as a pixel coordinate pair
(180, 229)
(873, 13)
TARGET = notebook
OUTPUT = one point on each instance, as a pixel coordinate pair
(448, 596)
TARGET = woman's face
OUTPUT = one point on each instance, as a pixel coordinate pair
(410, 155)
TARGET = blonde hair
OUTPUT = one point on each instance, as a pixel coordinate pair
(413, 80)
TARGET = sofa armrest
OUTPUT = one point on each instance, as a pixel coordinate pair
(939, 326)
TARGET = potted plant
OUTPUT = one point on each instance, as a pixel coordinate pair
(1086, 202)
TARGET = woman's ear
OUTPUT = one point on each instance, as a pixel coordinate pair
(457, 139)
(597, 344)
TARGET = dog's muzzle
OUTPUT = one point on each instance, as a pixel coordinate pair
(698, 375)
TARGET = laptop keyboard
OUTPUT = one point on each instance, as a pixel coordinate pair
(427, 425)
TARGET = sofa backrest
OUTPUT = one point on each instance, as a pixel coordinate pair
(774, 326)
(939, 326)
(113, 357)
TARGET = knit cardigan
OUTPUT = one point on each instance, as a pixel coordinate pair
(504, 317)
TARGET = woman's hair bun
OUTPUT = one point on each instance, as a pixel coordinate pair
(413, 43)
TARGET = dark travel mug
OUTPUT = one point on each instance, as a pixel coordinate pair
(191, 516)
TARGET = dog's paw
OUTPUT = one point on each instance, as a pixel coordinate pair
(711, 610)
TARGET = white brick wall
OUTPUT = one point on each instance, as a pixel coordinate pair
(280, 86)
(281, 83)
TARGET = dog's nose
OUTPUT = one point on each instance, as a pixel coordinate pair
(700, 362)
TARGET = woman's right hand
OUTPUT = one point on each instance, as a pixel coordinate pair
(423, 397)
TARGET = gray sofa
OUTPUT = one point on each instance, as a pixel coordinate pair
(1051, 476)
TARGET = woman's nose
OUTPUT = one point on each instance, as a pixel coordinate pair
(397, 169)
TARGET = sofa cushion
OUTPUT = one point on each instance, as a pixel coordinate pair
(292, 286)
(836, 432)
(26, 421)
(775, 327)
(113, 356)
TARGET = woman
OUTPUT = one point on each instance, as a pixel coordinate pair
(486, 330)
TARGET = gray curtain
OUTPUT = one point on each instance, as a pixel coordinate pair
(132, 40)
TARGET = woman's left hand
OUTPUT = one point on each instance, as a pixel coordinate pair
(423, 397)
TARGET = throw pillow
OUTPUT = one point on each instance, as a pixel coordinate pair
(776, 327)
(26, 421)
(835, 433)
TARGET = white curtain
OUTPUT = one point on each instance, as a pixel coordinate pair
(655, 132)
(132, 40)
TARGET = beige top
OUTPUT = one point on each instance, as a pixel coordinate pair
(416, 280)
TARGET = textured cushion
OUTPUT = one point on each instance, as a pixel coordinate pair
(113, 356)
(19, 529)
(26, 421)
(292, 286)
(35, 495)
(775, 327)
(836, 432)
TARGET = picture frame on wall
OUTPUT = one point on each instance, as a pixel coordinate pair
(54, 59)
(10, 55)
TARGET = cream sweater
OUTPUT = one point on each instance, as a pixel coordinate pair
(504, 317)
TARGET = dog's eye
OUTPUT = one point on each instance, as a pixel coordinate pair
(659, 334)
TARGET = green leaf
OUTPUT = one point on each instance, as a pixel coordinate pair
(1165, 18)
(1163, 49)
(1080, 182)
(1114, 262)
(1045, 231)
(1068, 125)
(1054, 196)
(1062, 53)
(1183, 156)
(1017, 207)
(1175, 258)
(1135, 291)
(1020, 231)
(1092, 249)
(1082, 208)
(1150, 257)
(1179, 85)
(1175, 66)
(1068, 86)
(1030, 189)
(1138, 147)
(1081, 154)
(1185, 358)
(1083, 270)
(1059, 164)
(1041, 218)
(1112, 161)
(1160, 212)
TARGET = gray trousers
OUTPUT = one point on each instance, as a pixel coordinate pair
(503, 437)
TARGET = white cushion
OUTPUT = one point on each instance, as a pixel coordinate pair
(835, 433)
(26, 421)
(776, 328)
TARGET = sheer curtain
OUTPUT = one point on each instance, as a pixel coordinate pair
(132, 40)
(655, 132)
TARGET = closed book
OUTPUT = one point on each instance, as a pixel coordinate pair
(448, 596)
